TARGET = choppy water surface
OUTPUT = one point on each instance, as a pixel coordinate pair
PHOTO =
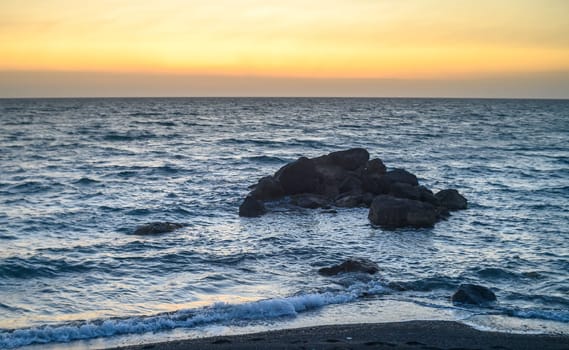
(77, 177)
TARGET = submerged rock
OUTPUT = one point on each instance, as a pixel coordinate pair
(392, 212)
(251, 207)
(473, 294)
(351, 265)
(451, 199)
(154, 228)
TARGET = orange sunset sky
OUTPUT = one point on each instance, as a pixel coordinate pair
(499, 48)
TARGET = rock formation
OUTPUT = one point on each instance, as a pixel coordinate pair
(350, 179)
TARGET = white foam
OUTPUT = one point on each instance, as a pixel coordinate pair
(218, 312)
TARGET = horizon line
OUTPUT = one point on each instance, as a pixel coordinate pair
(283, 97)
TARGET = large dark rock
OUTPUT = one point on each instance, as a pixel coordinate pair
(311, 201)
(251, 207)
(473, 294)
(299, 176)
(404, 190)
(402, 175)
(268, 189)
(354, 199)
(375, 167)
(350, 184)
(351, 265)
(451, 199)
(376, 184)
(392, 212)
(350, 159)
(154, 228)
(426, 195)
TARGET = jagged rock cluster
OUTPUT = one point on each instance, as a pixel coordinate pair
(350, 179)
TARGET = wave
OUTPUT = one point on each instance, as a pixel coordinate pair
(490, 273)
(7, 237)
(267, 159)
(145, 114)
(86, 181)
(30, 187)
(426, 284)
(234, 141)
(549, 315)
(116, 137)
(165, 169)
(186, 318)
(19, 268)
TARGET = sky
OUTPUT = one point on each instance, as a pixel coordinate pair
(392, 48)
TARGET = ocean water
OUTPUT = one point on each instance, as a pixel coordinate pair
(77, 176)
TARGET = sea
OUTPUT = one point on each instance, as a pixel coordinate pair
(78, 176)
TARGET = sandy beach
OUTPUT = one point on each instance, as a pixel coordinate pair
(425, 335)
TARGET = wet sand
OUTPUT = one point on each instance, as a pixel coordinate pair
(418, 335)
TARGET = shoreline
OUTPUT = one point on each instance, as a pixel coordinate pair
(433, 335)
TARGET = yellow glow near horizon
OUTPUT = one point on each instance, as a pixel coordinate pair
(333, 38)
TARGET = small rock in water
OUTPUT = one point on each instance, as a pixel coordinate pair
(251, 208)
(351, 265)
(451, 199)
(157, 227)
(473, 294)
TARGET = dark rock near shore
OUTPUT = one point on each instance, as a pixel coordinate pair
(351, 265)
(154, 228)
(392, 212)
(473, 294)
(350, 179)
(451, 199)
(251, 207)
